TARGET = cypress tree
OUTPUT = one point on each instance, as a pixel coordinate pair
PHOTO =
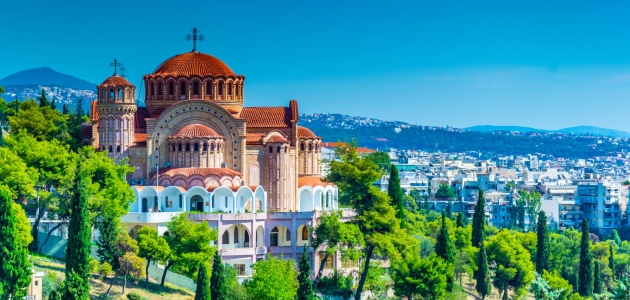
(15, 269)
(203, 284)
(585, 277)
(395, 193)
(64, 109)
(479, 221)
(460, 220)
(449, 209)
(108, 229)
(482, 275)
(611, 261)
(597, 278)
(444, 249)
(79, 112)
(78, 249)
(305, 290)
(513, 217)
(218, 286)
(53, 104)
(42, 100)
(615, 237)
(542, 248)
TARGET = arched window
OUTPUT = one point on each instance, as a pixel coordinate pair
(226, 237)
(273, 237)
(278, 149)
(235, 235)
(220, 88)
(212, 147)
(302, 147)
(195, 88)
(310, 147)
(152, 90)
(270, 149)
(182, 89)
(179, 147)
(288, 235)
(118, 149)
(111, 149)
(237, 89)
(230, 89)
(160, 89)
(120, 93)
(285, 149)
(304, 233)
(209, 88)
(111, 93)
(187, 147)
(205, 147)
(173, 147)
(196, 147)
(171, 89)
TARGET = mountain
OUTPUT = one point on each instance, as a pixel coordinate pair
(591, 130)
(46, 77)
(490, 128)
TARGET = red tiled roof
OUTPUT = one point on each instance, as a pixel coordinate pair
(336, 144)
(277, 139)
(233, 188)
(254, 138)
(193, 63)
(140, 137)
(115, 81)
(305, 133)
(194, 130)
(204, 172)
(270, 117)
(312, 181)
(93, 111)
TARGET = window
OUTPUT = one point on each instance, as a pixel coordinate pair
(173, 147)
(152, 90)
(195, 88)
(120, 93)
(208, 88)
(118, 149)
(182, 88)
(179, 147)
(196, 147)
(160, 89)
(274, 237)
(304, 233)
(171, 89)
(226, 204)
(328, 264)
(187, 147)
(285, 149)
(288, 234)
(205, 147)
(348, 264)
(36, 282)
(111, 149)
(241, 269)
(225, 238)
(212, 147)
(230, 89)
(237, 89)
(111, 93)
(166, 201)
(310, 147)
(270, 149)
(235, 235)
(302, 147)
(278, 149)
(180, 201)
(220, 89)
(212, 200)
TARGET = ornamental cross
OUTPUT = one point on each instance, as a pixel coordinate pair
(115, 64)
(194, 37)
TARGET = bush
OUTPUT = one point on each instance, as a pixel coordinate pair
(135, 296)
(336, 285)
(50, 282)
(93, 265)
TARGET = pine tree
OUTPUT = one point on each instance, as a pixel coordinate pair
(79, 112)
(615, 237)
(53, 104)
(78, 249)
(42, 100)
(513, 217)
(479, 221)
(64, 109)
(449, 209)
(203, 284)
(108, 228)
(597, 278)
(395, 193)
(444, 249)
(218, 285)
(611, 261)
(585, 279)
(15, 269)
(482, 275)
(460, 220)
(305, 290)
(542, 248)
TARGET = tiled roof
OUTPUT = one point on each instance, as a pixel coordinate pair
(312, 181)
(94, 116)
(195, 130)
(140, 137)
(331, 145)
(277, 139)
(193, 63)
(270, 117)
(233, 188)
(115, 81)
(254, 138)
(305, 133)
(203, 172)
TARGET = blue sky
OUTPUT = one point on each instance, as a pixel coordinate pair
(458, 63)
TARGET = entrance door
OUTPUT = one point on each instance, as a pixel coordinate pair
(145, 204)
(196, 203)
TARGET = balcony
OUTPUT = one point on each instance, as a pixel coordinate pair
(149, 218)
(280, 249)
(238, 251)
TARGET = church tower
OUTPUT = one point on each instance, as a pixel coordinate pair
(116, 108)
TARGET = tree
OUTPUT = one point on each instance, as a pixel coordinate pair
(130, 264)
(190, 245)
(482, 276)
(218, 286)
(479, 221)
(78, 249)
(414, 276)
(611, 260)
(460, 220)
(585, 281)
(151, 247)
(615, 237)
(15, 175)
(203, 284)
(514, 263)
(305, 290)
(109, 229)
(597, 278)
(396, 194)
(375, 217)
(542, 289)
(42, 99)
(445, 191)
(520, 209)
(44, 123)
(273, 279)
(380, 159)
(513, 217)
(14, 266)
(444, 249)
(532, 199)
(542, 246)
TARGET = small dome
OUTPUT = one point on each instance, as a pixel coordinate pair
(193, 63)
(277, 139)
(305, 133)
(115, 80)
(195, 130)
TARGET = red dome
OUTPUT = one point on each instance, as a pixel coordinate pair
(115, 81)
(193, 63)
(305, 133)
(195, 130)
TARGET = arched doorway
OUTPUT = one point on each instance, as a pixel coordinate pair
(145, 205)
(280, 236)
(196, 203)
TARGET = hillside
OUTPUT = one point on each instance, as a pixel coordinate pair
(589, 130)
(45, 77)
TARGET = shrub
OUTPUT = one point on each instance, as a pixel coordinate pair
(135, 296)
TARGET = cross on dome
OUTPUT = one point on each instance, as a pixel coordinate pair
(194, 37)
(115, 64)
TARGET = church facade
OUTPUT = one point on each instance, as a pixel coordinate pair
(252, 173)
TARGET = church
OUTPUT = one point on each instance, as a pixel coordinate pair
(252, 173)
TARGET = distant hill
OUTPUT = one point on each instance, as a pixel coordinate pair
(592, 130)
(46, 77)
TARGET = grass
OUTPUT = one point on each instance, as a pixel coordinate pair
(99, 286)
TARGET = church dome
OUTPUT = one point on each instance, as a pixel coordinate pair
(193, 64)
(195, 131)
(115, 80)
(305, 133)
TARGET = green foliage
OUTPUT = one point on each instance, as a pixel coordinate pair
(532, 201)
(14, 266)
(44, 123)
(237, 291)
(444, 249)
(514, 264)
(543, 291)
(585, 283)
(414, 277)
(597, 278)
(23, 226)
(611, 260)
(482, 275)
(460, 220)
(396, 194)
(305, 289)
(376, 281)
(134, 296)
(336, 285)
(479, 221)
(380, 159)
(105, 269)
(78, 249)
(50, 282)
(445, 191)
(15, 175)
(622, 290)
(75, 286)
(152, 247)
(203, 284)
(109, 228)
(42, 100)
(273, 279)
(614, 235)
(542, 245)
(558, 283)
(218, 286)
